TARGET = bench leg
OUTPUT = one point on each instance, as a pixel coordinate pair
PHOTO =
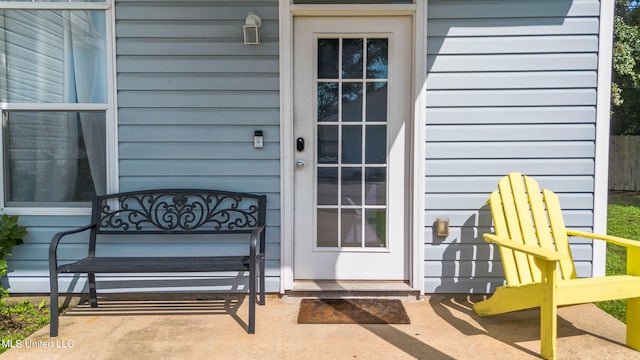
(93, 296)
(53, 308)
(252, 302)
(262, 295)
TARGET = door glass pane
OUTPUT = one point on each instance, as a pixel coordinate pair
(352, 102)
(377, 59)
(377, 101)
(351, 228)
(376, 146)
(327, 186)
(351, 186)
(327, 228)
(352, 144)
(328, 101)
(352, 56)
(328, 51)
(375, 186)
(327, 144)
(375, 232)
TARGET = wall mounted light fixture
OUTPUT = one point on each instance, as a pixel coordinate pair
(442, 227)
(251, 29)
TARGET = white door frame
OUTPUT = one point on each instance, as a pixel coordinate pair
(416, 161)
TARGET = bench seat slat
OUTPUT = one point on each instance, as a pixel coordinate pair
(156, 264)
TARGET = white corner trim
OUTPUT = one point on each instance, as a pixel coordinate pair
(603, 108)
(111, 126)
(417, 161)
(286, 145)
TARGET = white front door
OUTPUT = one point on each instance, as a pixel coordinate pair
(352, 110)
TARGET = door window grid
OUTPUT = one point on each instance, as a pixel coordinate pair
(363, 209)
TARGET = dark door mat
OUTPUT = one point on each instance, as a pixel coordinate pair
(352, 311)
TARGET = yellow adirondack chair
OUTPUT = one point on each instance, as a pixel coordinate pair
(537, 262)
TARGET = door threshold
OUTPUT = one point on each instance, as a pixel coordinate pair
(357, 287)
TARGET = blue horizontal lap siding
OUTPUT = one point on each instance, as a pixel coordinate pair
(190, 96)
(511, 86)
(28, 266)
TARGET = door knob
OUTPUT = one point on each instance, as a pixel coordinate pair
(300, 164)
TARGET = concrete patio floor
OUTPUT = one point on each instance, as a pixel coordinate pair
(442, 327)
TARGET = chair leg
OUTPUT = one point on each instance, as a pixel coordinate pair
(633, 305)
(507, 299)
(633, 323)
(548, 310)
(93, 296)
(53, 311)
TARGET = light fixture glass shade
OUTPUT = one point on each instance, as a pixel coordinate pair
(251, 29)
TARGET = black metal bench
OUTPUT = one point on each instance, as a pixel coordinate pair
(169, 212)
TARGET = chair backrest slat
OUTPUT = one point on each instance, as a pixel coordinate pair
(524, 222)
(523, 213)
(508, 256)
(539, 213)
(513, 230)
(559, 231)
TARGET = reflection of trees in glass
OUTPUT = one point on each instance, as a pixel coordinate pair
(377, 58)
(352, 101)
(352, 56)
(351, 91)
(328, 101)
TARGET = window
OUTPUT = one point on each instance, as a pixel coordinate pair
(57, 112)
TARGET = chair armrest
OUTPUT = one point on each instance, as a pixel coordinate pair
(544, 254)
(608, 238)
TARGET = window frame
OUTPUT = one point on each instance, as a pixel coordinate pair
(109, 108)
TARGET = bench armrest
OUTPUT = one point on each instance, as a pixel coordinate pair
(628, 243)
(53, 247)
(253, 242)
(544, 254)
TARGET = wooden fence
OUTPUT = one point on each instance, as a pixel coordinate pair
(624, 163)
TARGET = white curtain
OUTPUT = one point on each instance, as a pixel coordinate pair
(87, 78)
(53, 57)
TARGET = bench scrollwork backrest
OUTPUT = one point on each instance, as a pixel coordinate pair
(183, 210)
